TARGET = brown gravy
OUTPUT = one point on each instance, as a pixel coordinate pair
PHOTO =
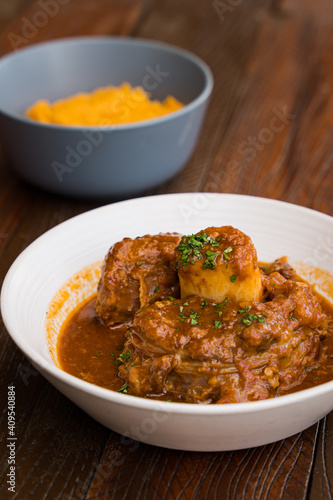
(88, 349)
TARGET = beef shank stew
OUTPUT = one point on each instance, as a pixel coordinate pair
(196, 319)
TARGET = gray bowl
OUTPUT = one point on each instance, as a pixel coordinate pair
(100, 161)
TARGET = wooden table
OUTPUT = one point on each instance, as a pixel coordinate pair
(270, 59)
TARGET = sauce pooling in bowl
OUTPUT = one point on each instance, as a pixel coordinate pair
(203, 347)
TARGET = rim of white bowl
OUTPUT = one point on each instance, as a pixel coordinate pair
(209, 410)
(114, 40)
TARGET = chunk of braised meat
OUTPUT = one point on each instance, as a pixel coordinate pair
(282, 267)
(195, 350)
(135, 273)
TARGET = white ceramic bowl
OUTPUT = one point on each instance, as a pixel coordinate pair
(276, 228)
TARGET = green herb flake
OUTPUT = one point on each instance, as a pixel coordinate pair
(190, 249)
(123, 389)
(156, 290)
(222, 303)
(233, 278)
(122, 358)
(250, 318)
(217, 324)
(226, 251)
(209, 262)
(245, 310)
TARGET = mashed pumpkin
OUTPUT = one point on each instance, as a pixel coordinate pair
(103, 106)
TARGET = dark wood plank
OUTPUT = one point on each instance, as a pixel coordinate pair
(321, 487)
(39, 21)
(226, 45)
(147, 472)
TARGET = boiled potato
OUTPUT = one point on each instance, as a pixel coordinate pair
(219, 262)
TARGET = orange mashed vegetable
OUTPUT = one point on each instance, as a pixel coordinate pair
(103, 106)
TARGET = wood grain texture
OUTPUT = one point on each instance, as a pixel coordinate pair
(268, 132)
(271, 471)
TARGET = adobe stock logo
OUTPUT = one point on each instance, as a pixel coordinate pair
(40, 18)
(75, 156)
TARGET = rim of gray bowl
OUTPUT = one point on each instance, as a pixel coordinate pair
(115, 40)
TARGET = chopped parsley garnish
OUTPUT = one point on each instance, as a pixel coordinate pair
(209, 262)
(222, 303)
(190, 248)
(225, 253)
(233, 278)
(245, 310)
(250, 318)
(122, 358)
(123, 388)
(292, 318)
(182, 316)
(194, 317)
(156, 290)
(217, 324)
